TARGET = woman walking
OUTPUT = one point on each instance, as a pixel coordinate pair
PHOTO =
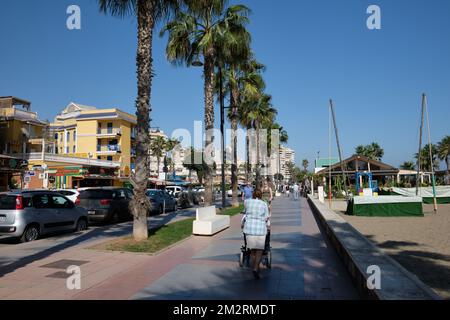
(267, 195)
(254, 225)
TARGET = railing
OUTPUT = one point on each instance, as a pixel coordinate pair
(109, 132)
(108, 148)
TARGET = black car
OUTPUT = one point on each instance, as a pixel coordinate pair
(106, 204)
(161, 201)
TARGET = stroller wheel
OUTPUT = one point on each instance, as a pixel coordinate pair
(241, 260)
(269, 260)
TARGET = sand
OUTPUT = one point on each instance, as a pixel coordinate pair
(421, 245)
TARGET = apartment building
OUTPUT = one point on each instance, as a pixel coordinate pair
(103, 137)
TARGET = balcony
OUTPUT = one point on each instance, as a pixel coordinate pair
(108, 149)
(108, 133)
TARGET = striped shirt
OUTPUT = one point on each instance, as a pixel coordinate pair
(256, 214)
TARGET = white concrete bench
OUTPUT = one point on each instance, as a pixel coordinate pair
(208, 223)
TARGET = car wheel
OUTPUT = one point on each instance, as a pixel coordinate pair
(31, 233)
(81, 225)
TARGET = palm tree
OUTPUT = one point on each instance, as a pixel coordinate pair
(231, 67)
(305, 164)
(372, 151)
(148, 12)
(157, 149)
(242, 79)
(426, 162)
(444, 151)
(198, 31)
(190, 164)
(360, 150)
(408, 165)
(252, 87)
(261, 113)
(290, 168)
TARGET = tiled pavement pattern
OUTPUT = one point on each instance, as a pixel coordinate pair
(304, 267)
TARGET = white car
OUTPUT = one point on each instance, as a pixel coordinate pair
(174, 190)
(71, 194)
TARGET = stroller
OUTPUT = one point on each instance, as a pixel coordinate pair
(244, 258)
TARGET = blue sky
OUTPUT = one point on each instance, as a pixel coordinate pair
(314, 50)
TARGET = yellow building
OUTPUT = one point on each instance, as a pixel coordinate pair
(21, 131)
(102, 136)
(21, 134)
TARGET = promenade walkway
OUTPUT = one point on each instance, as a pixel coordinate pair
(304, 266)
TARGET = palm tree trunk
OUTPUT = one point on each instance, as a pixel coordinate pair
(158, 163)
(248, 165)
(234, 165)
(140, 204)
(258, 157)
(209, 122)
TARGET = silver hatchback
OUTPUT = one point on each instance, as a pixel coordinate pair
(30, 214)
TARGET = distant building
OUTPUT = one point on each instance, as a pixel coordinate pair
(279, 163)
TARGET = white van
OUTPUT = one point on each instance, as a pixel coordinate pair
(174, 190)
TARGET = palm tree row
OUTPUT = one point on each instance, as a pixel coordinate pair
(206, 33)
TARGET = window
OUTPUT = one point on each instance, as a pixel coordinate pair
(129, 193)
(96, 194)
(41, 201)
(110, 128)
(60, 202)
(120, 194)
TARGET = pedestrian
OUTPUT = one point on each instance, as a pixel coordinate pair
(296, 190)
(267, 194)
(247, 192)
(254, 226)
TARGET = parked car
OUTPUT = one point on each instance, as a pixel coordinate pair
(161, 201)
(106, 204)
(187, 199)
(28, 215)
(71, 194)
(174, 190)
